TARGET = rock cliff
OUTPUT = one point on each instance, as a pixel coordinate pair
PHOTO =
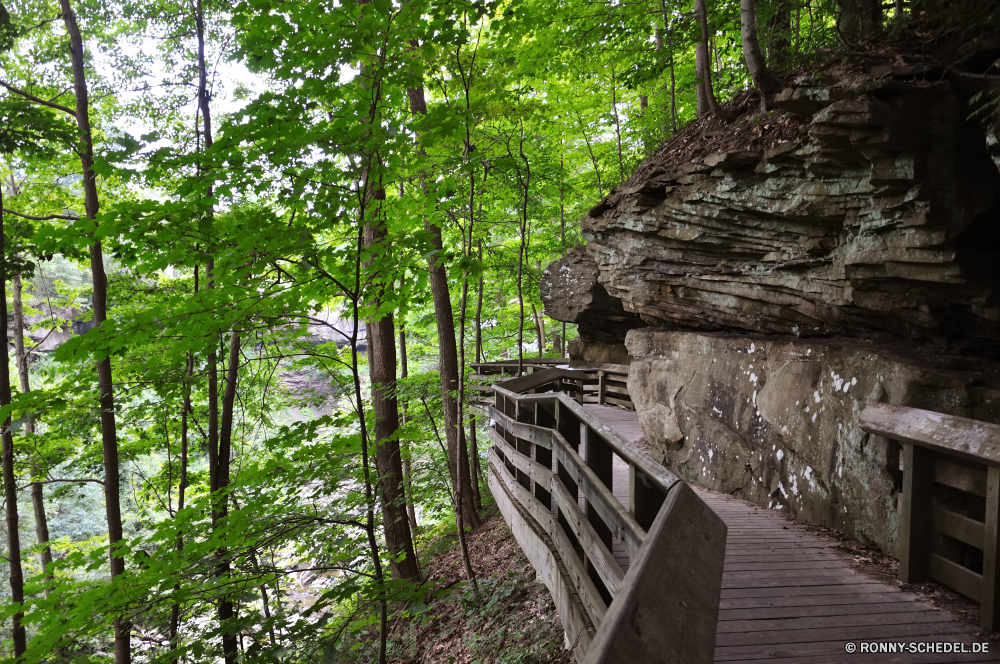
(774, 275)
(865, 208)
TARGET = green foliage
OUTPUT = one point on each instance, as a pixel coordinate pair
(534, 110)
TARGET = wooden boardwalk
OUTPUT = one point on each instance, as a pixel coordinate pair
(788, 595)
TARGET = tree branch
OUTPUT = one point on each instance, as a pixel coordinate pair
(46, 218)
(38, 100)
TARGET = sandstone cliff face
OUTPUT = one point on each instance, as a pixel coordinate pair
(571, 292)
(788, 271)
(773, 419)
(873, 214)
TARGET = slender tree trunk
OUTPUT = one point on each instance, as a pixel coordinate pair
(618, 126)
(175, 609)
(479, 311)
(858, 20)
(525, 182)
(458, 453)
(706, 96)
(763, 78)
(9, 480)
(379, 576)
(539, 330)
(388, 462)
(673, 89)
(590, 151)
(37, 492)
(407, 461)
(227, 611)
(109, 431)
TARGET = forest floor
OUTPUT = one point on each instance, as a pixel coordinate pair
(515, 621)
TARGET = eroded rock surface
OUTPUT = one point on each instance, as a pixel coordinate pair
(871, 213)
(571, 292)
(774, 420)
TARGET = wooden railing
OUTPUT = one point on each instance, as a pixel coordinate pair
(606, 384)
(549, 454)
(950, 501)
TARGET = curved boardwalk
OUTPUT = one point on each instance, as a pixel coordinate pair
(788, 595)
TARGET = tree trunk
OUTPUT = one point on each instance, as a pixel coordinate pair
(479, 311)
(37, 492)
(858, 20)
(407, 463)
(227, 611)
(7, 452)
(763, 79)
(458, 454)
(703, 64)
(388, 462)
(779, 28)
(109, 431)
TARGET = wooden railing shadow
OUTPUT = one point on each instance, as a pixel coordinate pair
(549, 454)
(949, 505)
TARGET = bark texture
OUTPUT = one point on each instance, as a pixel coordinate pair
(458, 453)
(7, 463)
(388, 460)
(109, 431)
(763, 78)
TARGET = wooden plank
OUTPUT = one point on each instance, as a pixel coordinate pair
(790, 574)
(862, 595)
(857, 633)
(957, 526)
(534, 434)
(963, 478)
(969, 439)
(557, 574)
(663, 477)
(955, 576)
(623, 527)
(597, 552)
(832, 652)
(580, 581)
(830, 563)
(914, 521)
(989, 614)
(823, 609)
(931, 615)
(798, 582)
(814, 591)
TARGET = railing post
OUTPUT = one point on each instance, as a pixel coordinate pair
(644, 498)
(579, 390)
(568, 426)
(526, 415)
(599, 458)
(601, 387)
(989, 611)
(915, 519)
(542, 455)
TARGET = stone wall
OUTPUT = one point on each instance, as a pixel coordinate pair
(774, 420)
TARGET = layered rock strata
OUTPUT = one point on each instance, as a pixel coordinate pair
(873, 215)
(571, 291)
(784, 271)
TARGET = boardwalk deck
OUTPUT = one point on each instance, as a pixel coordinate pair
(789, 595)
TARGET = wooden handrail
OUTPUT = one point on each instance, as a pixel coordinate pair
(932, 445)
(538, 475)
